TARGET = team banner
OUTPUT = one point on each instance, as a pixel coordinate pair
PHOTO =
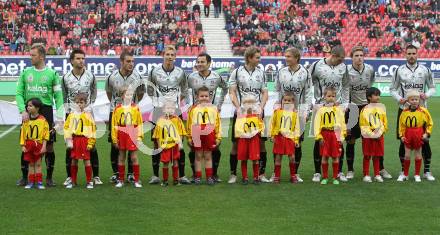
(102, 66)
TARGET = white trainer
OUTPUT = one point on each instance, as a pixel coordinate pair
(97, 180)
(137, 184)
(184, 180)
(272, 178)
(316, 177)
(69, 186)
(350, 175)
(378, 178)
(367, 179)
(232, 179)
(89, 185)
(119, 184)
(402, 178)
(417, 178)
(67, 181)
(429, 176)
(299, 178)
(263, 179)
(154, 180)
(384, 173)
(342, 177)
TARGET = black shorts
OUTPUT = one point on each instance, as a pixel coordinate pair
(399, 112)
(109, 127)
(355, 131)
(47, 112)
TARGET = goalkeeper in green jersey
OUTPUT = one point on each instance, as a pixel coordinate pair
(44, 83)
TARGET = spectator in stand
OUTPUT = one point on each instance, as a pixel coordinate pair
(206, 5)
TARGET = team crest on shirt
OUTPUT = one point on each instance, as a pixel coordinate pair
(30, 78)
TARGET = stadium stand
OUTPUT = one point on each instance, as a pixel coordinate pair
(383, 27)
(100, 27)
(104, 27)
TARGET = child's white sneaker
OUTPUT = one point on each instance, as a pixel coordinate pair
(137, 184)
(378, 178)
(89, 185)
(402, 178)
(316, 177)
(367, 179)
(119, 184)
(417, 178)
(40, 185)
(69, 186)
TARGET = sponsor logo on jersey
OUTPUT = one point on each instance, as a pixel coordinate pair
(166, 89)
(35, 88)
(249, 127)
(413, 86)
(359, 87)
(76, 122)
(291, 88)
(250, 89)
(286, 122)
(411, 121)
(125, 119)
(332, 84)
(204, 116)
(330, 116)
(33, 135)
(374, 118)
(167, 130)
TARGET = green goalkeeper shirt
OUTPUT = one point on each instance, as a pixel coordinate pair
(44, 84)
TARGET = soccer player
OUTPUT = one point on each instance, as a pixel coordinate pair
(80, 137)
(373, 123)
(119, 80)
(127, 132)
(248, 129)
(361, 77)
(329, 72)
(210, 79)
(296, 79)
(285, 132)
(248, 80)
(203, 128)
(413, 75)
(40, 82)
(167, 82)
(168, 134)
(80, 80)
(330, 131)
(415, 128)
(34, 135)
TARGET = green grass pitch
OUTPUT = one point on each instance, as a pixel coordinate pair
(308, 208)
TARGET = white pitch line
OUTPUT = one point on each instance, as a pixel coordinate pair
(7, 131)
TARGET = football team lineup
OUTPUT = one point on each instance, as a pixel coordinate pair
(338, 100)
